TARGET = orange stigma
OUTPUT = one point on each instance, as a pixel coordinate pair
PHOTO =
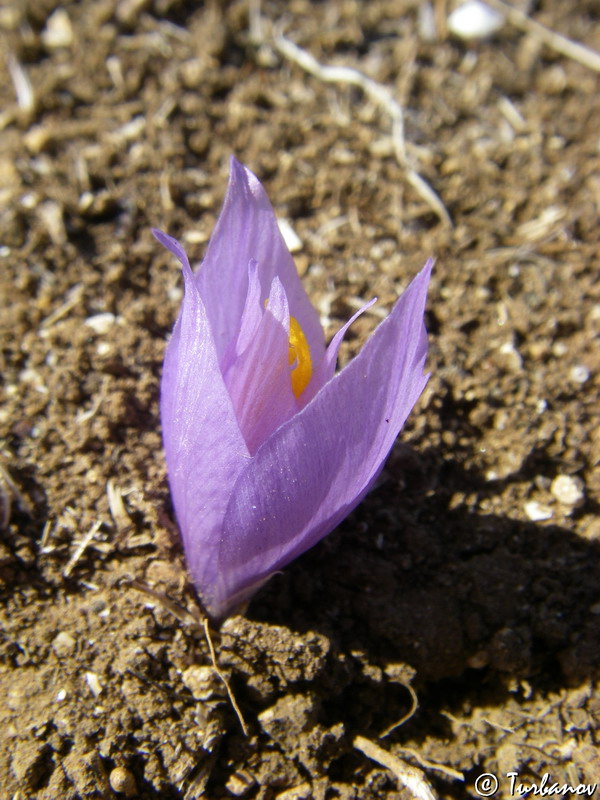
(299, 354)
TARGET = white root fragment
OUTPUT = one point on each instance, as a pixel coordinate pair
(414, 705)
(383, 98)
(556, 41)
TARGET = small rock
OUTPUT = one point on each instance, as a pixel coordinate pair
(64, 645)
(579, 374)
(203, 682)
(30, 763)
(568, 490)
(36, 138)
(58, 32)
(240, 783)
(508, 357)
(591, 530)
(123, 782)
(93, 681)
(537, 512)
(101, 323)
(291, 716)
(474, 20)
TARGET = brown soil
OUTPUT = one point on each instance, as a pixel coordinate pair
(445, 576)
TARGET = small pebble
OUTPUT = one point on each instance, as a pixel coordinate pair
(240, 783)
(123, 782)
(101, 323)
(579, 373)
(63, 644)
(201, 681)
(58, 32)
(509, 357)
(568, 490)
(537, 512)
(474, 20)
(93, 681)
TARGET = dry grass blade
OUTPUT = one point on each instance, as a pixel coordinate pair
(82, 547)
(182, 614)
(73, 298)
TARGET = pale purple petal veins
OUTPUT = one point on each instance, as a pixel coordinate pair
(247, 229)
(258, 380)
(318, 466)
(204, 447)
(251, 316)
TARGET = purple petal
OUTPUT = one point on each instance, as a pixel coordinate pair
(174, 246)
(259, 380)
(319, 465)
(247, 229)
(204, 447)
(251, 317)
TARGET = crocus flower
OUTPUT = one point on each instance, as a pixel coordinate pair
(267, 448)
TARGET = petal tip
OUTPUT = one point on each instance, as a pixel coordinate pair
(174, 247)
(242, 177)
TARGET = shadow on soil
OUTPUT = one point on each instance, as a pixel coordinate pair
(470, 601)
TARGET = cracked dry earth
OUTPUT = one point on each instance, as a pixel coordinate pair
(470, 575)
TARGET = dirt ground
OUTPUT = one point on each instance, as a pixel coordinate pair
(470, 574)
